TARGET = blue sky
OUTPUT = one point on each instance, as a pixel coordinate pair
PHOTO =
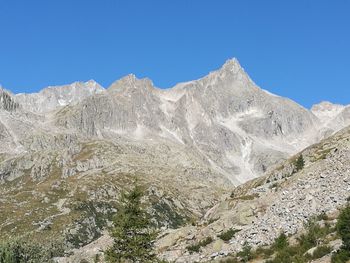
(299, 49)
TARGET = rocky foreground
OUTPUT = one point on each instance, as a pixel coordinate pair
(282, 201)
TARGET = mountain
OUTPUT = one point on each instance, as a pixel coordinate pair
(68, 152)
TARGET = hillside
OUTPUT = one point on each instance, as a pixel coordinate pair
(282, 201)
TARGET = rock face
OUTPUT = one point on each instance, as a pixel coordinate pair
(239, 129)
(84, 144)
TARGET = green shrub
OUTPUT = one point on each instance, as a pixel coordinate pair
(281, 242)
(226, 236)
(193, 248)
(321, 251)
(265, 252)
(299, 164)
(342, 256)
(246, 253)
(313, 235)
(197, 247)
(20, 251)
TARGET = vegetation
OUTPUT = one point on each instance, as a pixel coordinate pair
(321, 251)
(226, 236)
(20, 251)
(246, 253)
(283, 252)
(299, 164)
(281, 242)
(197, 247)
(132, 234)
(245, 197)
(316, 237)
(343, 230)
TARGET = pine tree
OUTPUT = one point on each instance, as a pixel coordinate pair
(132, 233)
(343, 227)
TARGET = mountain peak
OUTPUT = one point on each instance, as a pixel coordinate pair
(231, 65)
(131, 82)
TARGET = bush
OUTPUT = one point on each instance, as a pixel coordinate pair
(342, 256)
(246, 253)
(281, 242)
(226, 236)
(321, 251)
(197, 247)
(265, 252)
(19, 251)
(299, 164)
(313, 235)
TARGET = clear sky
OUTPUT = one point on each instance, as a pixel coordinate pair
(297, 48)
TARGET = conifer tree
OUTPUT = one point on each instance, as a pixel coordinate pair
(132, 232)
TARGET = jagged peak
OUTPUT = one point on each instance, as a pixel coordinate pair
(231, 64)
(130, 81)
(232, 68)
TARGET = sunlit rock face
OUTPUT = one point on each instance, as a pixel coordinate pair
(238, 129)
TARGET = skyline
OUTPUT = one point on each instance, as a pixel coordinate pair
(297, 50)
